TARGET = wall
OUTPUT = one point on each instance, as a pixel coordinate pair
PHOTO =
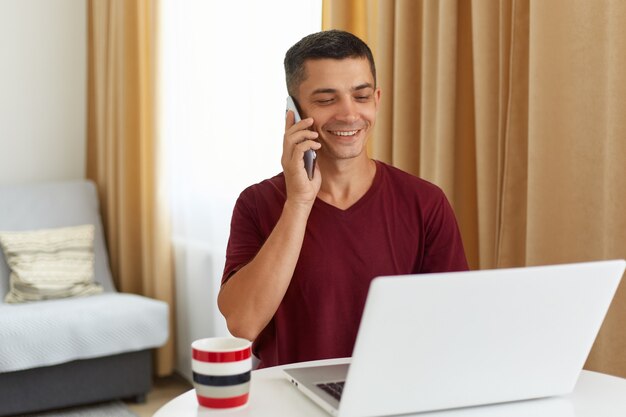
(42, 90)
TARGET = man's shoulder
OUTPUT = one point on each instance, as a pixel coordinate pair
(268, 188)
(407, 181)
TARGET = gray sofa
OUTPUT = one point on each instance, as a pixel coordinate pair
(65, 352)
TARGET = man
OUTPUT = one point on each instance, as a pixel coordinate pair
(302, 252)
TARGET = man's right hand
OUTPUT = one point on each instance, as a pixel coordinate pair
(297, 140)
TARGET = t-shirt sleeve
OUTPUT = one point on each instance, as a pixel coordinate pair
(245, 236)
(443, 244)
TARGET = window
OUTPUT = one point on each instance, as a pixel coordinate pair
(222, 106)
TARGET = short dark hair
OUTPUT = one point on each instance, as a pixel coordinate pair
(334, 44)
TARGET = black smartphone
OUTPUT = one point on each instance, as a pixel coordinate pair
(309, 156)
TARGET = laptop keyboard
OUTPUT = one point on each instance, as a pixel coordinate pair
(333, 388)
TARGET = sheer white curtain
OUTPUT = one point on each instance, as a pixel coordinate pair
(222, 109)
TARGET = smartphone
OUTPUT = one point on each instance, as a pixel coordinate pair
(309, 156)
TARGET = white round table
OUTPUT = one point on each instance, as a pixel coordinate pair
(271, 395)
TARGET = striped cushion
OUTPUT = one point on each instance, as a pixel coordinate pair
(51, 263)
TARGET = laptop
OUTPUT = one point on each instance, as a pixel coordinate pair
(439, 341)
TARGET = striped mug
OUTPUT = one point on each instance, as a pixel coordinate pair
(221, 371)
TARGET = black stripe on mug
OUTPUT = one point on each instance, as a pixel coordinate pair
(221, 381)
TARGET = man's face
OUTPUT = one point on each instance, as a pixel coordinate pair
(341, 98)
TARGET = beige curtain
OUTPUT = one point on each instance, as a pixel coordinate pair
(516, 109)
(123, 153)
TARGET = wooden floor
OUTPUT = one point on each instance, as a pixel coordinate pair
(163, 390)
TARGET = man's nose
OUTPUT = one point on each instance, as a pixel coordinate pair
(347, 110)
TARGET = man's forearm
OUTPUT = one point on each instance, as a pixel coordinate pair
(249, 299)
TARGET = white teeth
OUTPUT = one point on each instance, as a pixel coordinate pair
(344, 133)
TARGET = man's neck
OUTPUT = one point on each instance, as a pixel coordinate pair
(344, 182)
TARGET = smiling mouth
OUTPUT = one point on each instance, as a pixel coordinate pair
(344, 132)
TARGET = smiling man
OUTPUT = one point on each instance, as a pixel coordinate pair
(302, 253)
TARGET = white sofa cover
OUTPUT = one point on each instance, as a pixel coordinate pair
(52, 332)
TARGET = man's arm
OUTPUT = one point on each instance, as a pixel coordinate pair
(249, 299)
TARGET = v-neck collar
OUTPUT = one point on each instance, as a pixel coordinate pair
(371, 191)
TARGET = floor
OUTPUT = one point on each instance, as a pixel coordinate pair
(163, 390)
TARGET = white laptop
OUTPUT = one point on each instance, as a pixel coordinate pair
(438, 341)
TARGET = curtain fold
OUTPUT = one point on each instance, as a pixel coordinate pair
(123, 156)
(515, 108)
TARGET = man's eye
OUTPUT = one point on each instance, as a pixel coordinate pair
(325, 101)
(363, 98)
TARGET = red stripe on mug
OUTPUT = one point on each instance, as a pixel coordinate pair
(221, 356)
(223, 402)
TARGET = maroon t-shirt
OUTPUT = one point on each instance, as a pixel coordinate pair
(402, 225)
